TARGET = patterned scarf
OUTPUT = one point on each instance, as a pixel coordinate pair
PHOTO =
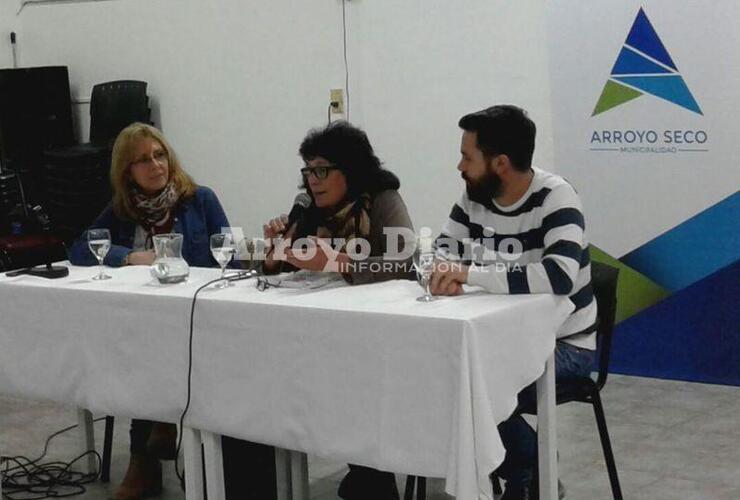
(154, 211)
(351, 221)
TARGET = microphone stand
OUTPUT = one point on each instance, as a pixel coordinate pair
(251, 248)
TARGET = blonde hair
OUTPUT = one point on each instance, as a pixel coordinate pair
(120, 172)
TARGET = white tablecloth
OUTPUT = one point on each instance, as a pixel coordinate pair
(364, 374)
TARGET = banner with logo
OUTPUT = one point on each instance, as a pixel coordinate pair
(645, 102)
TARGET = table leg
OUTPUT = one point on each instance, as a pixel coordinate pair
(547, 432)
(193, 463)
(299, 475)
(214, 465)
(282, 474)
(291, 469)
(87, 439)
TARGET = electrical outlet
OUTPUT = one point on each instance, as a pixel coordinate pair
(336, 99)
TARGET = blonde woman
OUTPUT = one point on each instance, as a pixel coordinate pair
(152, 194)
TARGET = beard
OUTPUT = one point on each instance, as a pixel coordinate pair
(483, 190)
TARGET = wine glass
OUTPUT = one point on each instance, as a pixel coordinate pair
(222, 249)
(424, 265)
(99, 242)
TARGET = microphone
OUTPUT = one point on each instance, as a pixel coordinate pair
(241, 275)
(48, 271)
(42, 218)
(300, 204)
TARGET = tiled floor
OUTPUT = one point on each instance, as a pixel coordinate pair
(672, 440)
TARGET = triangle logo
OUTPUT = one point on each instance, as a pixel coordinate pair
(644, 66)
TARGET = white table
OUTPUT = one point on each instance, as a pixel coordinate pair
(363, 374)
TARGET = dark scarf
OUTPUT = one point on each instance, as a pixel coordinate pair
(155, 213)
(350, 221)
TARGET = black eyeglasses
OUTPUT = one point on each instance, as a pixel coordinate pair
(320, 172)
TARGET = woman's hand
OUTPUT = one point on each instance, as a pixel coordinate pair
(274, 232)
(274, 228)
(145, 258)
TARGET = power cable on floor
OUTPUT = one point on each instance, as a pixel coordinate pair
(30, 480)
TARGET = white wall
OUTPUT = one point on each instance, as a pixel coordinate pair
(237, 84)
(8, 23)
(422, 64)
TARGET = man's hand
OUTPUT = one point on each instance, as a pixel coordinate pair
(448, 278)
(141, 258)
(320, 257)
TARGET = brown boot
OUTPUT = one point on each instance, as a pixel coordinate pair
(162, 441)
(143, 479)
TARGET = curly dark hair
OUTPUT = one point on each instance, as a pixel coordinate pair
(348, 147)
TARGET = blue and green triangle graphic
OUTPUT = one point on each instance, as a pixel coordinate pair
(644, 67)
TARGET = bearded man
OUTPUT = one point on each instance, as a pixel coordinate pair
(518, 230)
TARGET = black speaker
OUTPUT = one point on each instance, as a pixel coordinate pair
(35, 115)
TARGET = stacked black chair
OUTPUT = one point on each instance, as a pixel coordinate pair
(35, 116)
(77, 177)
(582, 389)
(9, 199)
(114, 106)
(77, 188)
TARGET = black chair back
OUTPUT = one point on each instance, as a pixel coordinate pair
(604, 283)
(114, 106)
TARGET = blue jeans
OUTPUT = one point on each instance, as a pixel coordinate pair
(518, 437)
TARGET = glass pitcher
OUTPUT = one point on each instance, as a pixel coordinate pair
(169, 266)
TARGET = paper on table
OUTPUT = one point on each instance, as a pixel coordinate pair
(302, 279)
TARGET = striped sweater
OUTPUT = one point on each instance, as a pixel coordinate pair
(536, 245)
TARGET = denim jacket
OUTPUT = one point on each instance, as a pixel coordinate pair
(196, 218)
